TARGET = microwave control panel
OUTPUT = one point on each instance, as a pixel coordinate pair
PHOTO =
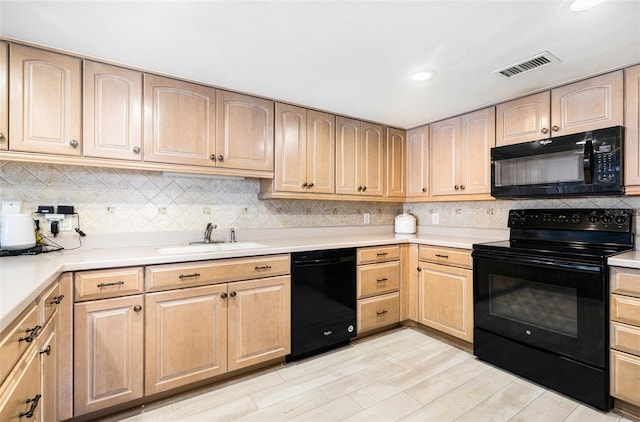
(606, 161)
(613, 219)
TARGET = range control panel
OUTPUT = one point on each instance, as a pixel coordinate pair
(612, 219)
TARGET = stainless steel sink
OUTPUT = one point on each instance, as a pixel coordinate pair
(209, 247)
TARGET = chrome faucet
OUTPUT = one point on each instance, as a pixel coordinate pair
(233, 235)
(207, 232)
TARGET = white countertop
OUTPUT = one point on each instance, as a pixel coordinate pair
(629, 259)
(23, 278)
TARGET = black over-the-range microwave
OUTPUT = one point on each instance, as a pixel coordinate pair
(581, 164)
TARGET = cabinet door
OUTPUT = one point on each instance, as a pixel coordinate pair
(522, 120)
(18, 395)
(444, 156)
(418, 162)
(4, 96)
(185, 336)
(112, 118)
(348, 151)
(477, 137)
(259, 321)
(108, 353)
(291, 149)
(591, 104)
(396, 153)
(321, 136)
(48, 351)
(632, 127)
(45, 113)
(244, 139)
(179, 122)
(445, 299)
(372, 159)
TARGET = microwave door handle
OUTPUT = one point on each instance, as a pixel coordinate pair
(587, 162)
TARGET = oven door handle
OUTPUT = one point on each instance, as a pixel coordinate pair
(587, 162)
(540, 262)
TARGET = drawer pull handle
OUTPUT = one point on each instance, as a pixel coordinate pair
(442, 256)
(33, 333)
(34, 403)
(183, 276)
(115, 283)
(382, 280)
(264, 267)
(47, 351)
(56, 300)
(382, 254)
(378, 313)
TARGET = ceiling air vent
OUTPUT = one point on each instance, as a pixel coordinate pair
(535, 62)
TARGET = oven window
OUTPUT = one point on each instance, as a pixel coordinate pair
(557, 167)
(547, 306)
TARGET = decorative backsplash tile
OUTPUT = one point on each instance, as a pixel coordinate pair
(116, 200)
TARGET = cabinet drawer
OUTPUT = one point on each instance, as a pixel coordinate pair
(11, 347)
(625, 337)
(625, 281)
(625, 377)
(48, 303)
(446, 256)
(625, 309)
(172, 276)
(102, 284)
(378, 254)
(375, 279)
(25, 386)
(378, 311)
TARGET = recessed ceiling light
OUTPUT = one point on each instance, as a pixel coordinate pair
(580, 5)
(424, 75)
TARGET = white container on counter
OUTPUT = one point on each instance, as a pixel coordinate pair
(405, 224)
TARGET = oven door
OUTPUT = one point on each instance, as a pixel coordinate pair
(546, 303)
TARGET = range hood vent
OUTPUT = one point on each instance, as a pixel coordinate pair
(535, 62)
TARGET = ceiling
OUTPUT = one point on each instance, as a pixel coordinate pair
(349, 57)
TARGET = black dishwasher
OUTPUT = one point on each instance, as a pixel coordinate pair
(323, 300)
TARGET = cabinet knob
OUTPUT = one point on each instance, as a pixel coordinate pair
(462, 187)
(555, 128)
(137, 308)
(456, 187)
(74, 143)
(364, 188)
(419, 269)
(304, 185)
(212, 157)
(56, 300)
(223, 295)
(544, 130)
(310, 185)
(233, 294)
(359, 188)
(424, 190)
(136, 150)
(220, 157)
(46, 351)
(2, 138)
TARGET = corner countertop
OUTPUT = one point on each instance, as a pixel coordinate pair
(629, 259)
(23, 278)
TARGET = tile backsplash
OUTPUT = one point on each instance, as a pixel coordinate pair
(115, 200)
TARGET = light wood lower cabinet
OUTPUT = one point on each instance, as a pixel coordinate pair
(20, 398)
(108, 353)
(445, 293)
(625, 335)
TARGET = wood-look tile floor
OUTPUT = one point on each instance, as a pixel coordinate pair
(402, 375)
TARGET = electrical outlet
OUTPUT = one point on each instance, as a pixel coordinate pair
(367, 218)
(435, 218)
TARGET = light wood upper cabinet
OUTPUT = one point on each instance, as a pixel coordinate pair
(112, 113)
(185, 336)
(108, 353)
(45, 97)
(396, 165)
(594, 103)
(418, 162)
(179, 122)
(632, 130)
(259, 321)
(4, 96)
(359, 157)
(304, 150)
(522, 120)
(460, 154)
(590, 104)
(244, 138)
